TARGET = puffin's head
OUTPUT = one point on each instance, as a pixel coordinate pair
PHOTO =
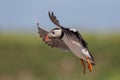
(54, 34)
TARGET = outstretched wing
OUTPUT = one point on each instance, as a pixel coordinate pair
(75, 36)
(81, 40)
(57, 43)
(54, 19)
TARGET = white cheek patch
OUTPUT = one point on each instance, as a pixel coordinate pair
(73, 30)
(58, 32)
(85, 52)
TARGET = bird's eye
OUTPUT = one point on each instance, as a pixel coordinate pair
(53, 32)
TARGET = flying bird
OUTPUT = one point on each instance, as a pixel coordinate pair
(67, 39)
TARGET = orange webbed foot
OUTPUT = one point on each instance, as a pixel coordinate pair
(82, 61)
(89, 64)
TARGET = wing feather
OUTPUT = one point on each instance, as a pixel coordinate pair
(81, 40)
(57, 43)
(54, 19)
(76, 36)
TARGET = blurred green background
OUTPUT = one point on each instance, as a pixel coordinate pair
(26, 57)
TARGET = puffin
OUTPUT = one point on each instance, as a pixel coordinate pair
(67, 39)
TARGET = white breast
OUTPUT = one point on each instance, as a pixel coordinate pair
(75, 47)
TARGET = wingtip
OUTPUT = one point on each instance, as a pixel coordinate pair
(52, 13)
(36, 21)
(92, 61)
(37, 24)
(54, 19)
(48, 12)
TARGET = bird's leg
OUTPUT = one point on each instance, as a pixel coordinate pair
(89, 64)
(83, 65)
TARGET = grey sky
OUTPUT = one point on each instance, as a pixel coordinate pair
(94, 14)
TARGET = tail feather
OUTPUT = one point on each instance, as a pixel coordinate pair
(92, 62)
(91, 58)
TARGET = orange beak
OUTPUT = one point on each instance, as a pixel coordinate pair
(46, 38)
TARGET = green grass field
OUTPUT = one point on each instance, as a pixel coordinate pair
(26, 57)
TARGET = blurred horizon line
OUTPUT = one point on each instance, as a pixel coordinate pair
(33, 29)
